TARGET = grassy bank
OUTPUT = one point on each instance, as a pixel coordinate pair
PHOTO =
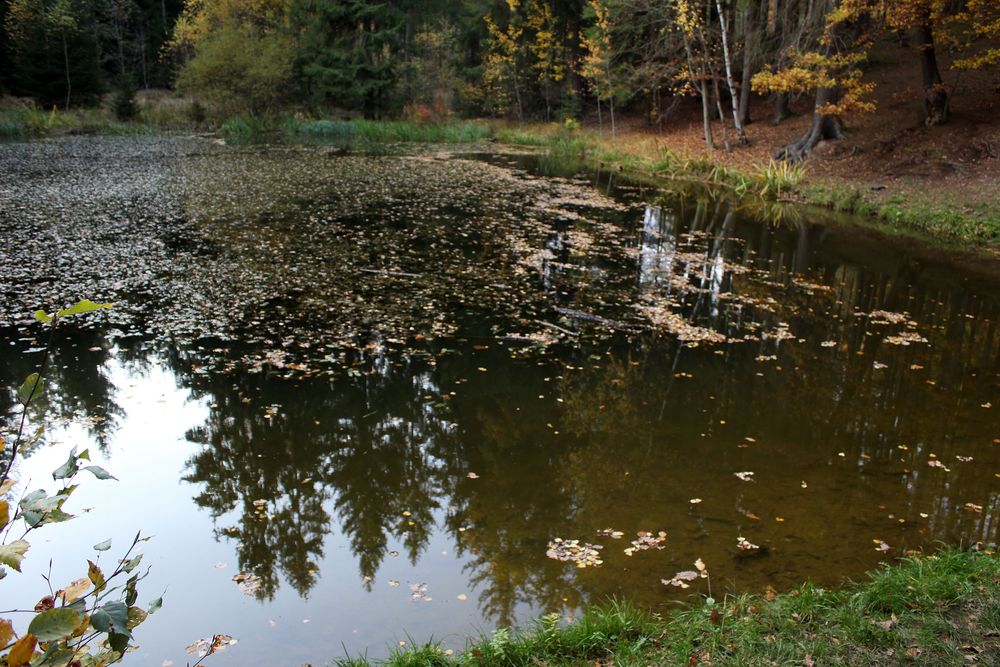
(934, 212)
(644, 154)
(925, 610)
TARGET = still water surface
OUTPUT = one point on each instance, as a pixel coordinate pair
(383, 385)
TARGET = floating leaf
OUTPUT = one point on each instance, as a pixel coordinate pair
(573, 551)
(249, 583)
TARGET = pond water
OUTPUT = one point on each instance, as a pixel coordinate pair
(385, 385)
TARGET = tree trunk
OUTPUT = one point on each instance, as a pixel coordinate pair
(748, 49)
(823, 128)
(734, 92)
(935, 95)
(781, 109)
(69, 82)
(703, 89)
(722, 116)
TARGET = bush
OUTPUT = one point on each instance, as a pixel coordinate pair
(123, 104)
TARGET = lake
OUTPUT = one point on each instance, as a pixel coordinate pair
(390, 390)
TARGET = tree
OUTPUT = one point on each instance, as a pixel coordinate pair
(832, 73)
(241, 67)
(52, 49)
(349, 51)
(596, 65)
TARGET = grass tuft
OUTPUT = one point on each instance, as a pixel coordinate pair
(924, 610)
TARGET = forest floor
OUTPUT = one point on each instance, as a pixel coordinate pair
(944, 180)
(924, 610)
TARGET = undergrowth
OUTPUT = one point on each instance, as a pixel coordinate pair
(926, 610)
(943, 219)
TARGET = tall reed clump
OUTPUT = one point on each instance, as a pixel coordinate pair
(244, 129)
(371, 132)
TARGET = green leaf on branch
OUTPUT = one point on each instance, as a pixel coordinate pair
(111, 618)
(12, 554)
(103, 546)
(37, 508)
(132, 564)
(68, 469)
(42, 316)
(30, 389)
(55, 624)
(84, 306)
(100, 473)
(155, 605)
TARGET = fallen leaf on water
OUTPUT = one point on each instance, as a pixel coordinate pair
(204, 647)
(963, 459)
(393, 583)
(472, 475)
(695, 501)
(462, 596)
(418, 593)
(881, 546)
(583, 554)
(934, 463)
(745, 476)
(972, 507)
(646, 540)
(680, 579)
(745, 545)
(249, 583)
(612, 533)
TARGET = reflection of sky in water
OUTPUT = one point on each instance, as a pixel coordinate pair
(148, 453)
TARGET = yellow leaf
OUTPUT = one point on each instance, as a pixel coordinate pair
(75, 590)
(4, 513)
(95, 575)
(6, 632)
(22, 651)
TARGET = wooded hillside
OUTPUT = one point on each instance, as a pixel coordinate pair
(741, 60)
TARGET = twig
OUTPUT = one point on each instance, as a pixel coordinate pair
(27, 402)
(397, 274)
(557, 328)
(614, 324)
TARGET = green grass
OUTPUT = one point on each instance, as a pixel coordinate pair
(383, 132)
(923, 611)
(942, 219)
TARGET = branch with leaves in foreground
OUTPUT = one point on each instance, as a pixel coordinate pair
(87, 622)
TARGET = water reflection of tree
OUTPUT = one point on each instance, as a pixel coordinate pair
(366, 445)
(78, 386)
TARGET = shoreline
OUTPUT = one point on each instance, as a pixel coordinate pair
(925, 610)
(743, 172)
